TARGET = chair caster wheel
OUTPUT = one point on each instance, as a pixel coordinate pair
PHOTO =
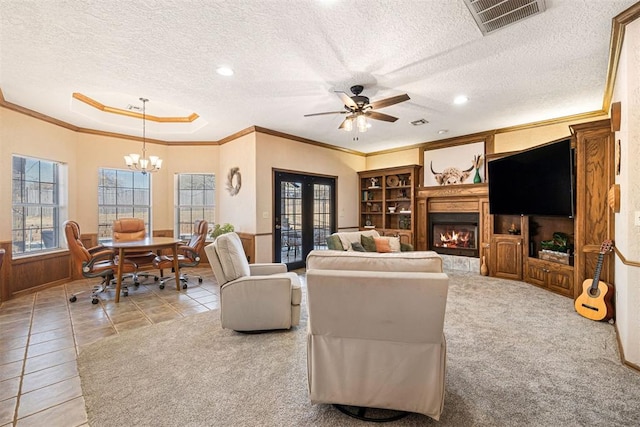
(126, 294)
(94, 301)
(136, 284)
(156, 278)
(184, 286)
(161, 286)
(199, 279)
(73, 299)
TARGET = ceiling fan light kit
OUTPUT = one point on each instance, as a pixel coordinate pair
(360, 109)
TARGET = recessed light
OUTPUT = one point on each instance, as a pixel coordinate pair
(461, 99)
(443, 131)
(224, 71)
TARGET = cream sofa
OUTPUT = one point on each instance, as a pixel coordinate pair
(253, 297)
(375, 335)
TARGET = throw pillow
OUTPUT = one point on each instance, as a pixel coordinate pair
(357, 246)
(382, 244)
(392, 242)
(406, 247)
(368, 243)
(334, 243)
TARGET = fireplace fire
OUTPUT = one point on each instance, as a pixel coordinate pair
(454, 233)
(454, 238)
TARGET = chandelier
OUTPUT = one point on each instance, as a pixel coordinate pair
(141, 163)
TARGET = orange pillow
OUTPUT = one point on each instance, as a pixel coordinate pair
(382, 244)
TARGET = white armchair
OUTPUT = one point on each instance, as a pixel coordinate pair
(253, 297)
(375, 336)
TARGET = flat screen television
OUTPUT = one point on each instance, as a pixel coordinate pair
(538, 181)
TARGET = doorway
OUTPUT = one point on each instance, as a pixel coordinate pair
(304, 215)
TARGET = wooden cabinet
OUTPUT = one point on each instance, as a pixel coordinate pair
(595, 222)
(592, 223)
(506, 260)
(387, 201)
(516, 256)
(551, 275)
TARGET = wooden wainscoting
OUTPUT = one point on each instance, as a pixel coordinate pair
(248, 243)
(249, 246)
(32, 273)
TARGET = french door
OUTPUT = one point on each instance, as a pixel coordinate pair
(304, 216)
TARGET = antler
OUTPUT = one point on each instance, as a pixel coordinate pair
(432, 171)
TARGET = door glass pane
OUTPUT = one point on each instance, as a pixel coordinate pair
(291, 221)
(321, 215)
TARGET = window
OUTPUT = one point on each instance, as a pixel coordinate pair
(36, 205)
(195, 199)
(122, 194)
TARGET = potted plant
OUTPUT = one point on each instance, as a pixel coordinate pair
(219, 229)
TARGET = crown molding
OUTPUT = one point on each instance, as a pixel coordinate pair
(619, 23)
(107, 109)
(618, 27)
(306, 141)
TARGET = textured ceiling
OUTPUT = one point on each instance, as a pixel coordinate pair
(289, 56)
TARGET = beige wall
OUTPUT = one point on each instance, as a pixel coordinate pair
(189, 159)
(239, 210)
(23, 135)
(627, 239)
(505, 142)
(84, 154)
(280, 153)
(398, 158)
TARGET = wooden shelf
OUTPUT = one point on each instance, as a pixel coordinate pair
(394, 188)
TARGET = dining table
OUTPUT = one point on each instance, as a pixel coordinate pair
(148, 243)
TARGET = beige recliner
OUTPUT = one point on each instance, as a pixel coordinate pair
(375, 337)
(253, 297)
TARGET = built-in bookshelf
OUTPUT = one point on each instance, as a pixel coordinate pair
(387, 201)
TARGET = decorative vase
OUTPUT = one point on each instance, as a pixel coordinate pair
(484, 270)
(477, 179)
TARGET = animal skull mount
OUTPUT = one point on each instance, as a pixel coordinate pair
(451, 176)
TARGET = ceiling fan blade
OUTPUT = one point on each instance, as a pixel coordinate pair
(322, 114)
(380, 116)
(389, 101)
(346, 99)
(343, 123)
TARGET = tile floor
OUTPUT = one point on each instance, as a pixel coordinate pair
(41, 335)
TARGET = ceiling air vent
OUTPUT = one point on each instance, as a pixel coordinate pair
(491, 15)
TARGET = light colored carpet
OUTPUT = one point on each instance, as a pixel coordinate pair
(517, 356)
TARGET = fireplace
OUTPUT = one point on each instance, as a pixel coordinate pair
(454, 233)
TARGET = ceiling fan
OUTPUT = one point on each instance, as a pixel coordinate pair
(359, 108)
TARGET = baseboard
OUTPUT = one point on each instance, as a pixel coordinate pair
(621, 351)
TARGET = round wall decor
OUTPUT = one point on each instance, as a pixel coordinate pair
(393, 181)
(234, 181)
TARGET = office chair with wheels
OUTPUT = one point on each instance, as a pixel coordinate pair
(131, 229)
(188, 255)
(97, 261)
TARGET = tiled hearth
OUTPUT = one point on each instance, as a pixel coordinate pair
(462, 263)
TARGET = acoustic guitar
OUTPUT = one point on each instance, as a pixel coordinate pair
(595, 301)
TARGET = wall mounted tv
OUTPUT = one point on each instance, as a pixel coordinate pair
(538, 181)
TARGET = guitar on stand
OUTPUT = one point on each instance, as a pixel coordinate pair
(595, 301)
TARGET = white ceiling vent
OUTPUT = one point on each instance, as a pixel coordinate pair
(491, 15)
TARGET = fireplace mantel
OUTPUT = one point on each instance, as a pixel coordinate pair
(476, 190)
(453, 198)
